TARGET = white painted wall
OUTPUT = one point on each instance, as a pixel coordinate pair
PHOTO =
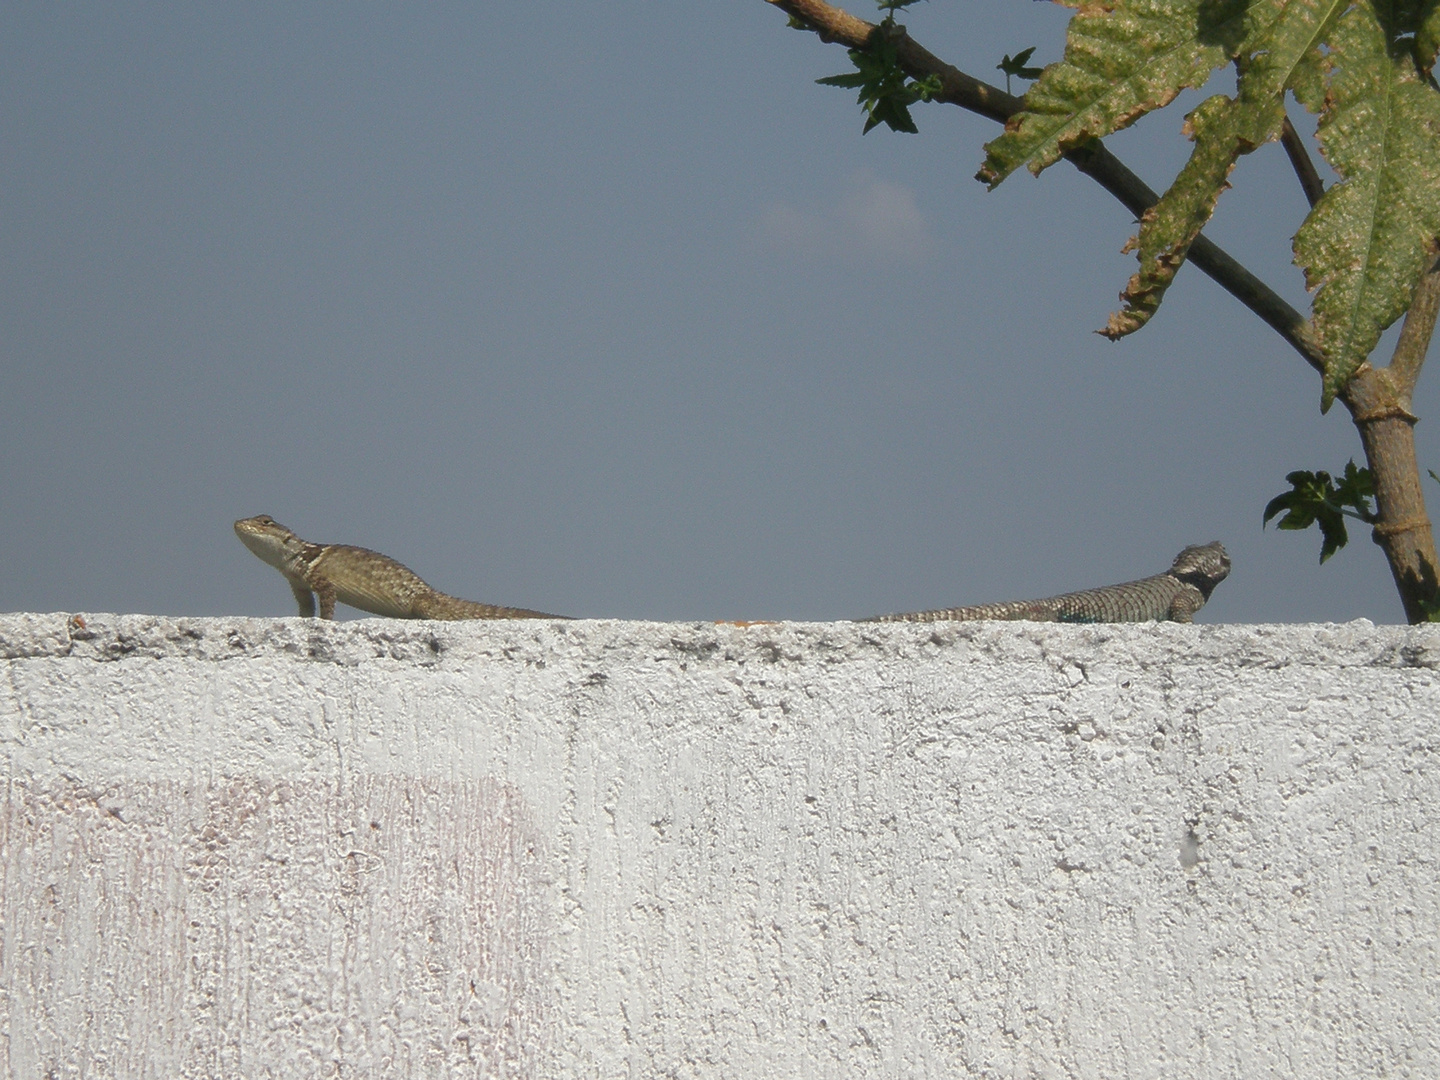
(245, 847)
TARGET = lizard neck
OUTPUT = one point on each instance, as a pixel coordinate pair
(1199, 580)
(300, 557)
(1202, 566)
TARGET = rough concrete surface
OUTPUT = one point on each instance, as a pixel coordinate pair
(265, 848)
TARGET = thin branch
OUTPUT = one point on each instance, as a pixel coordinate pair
(1414, 340)
(957, 88)
(1310, 182)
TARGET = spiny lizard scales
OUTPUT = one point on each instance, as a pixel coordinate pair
(1173, 596)
(359, 577)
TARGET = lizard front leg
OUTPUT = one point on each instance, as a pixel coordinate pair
(304, 597)
(325, 590)
(1184, 606)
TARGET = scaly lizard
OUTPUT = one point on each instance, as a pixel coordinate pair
(359, 577)
(1174, 596)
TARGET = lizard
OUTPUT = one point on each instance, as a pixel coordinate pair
(359, 577)
(1173, 596)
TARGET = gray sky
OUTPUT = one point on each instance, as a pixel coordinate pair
(607, 309)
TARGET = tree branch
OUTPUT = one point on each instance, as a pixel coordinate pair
(1300, 158)
(1379, 403)
(957, 88)
(1415, 334)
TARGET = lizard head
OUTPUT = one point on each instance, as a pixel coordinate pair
(1202, 565)
(272, 542)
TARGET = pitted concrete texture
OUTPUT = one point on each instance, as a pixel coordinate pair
(266, 848)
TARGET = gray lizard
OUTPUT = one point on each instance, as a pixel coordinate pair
(359, 577)
(1174, 596)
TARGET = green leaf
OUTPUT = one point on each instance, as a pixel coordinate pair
(849, 81)
(1280, 54)
(1366, 243)
(886, 92)
(1315, 499)
(1356, 489)
(1309, 504)
(1123, 58)
(1271, 57)
(1015, 66)
(1169, 227)
(894, 113)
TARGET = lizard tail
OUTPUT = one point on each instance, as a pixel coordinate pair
(440, 606)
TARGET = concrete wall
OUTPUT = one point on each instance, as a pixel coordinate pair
(244, 847)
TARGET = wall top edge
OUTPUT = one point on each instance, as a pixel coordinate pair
(108, 638)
